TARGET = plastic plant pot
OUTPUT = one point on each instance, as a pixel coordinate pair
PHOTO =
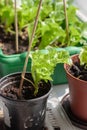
(23, 114)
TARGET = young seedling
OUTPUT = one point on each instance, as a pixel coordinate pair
(29, 48)
(43, 63)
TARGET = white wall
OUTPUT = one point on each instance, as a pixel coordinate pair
(82, 5)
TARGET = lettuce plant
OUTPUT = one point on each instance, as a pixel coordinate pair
(43, 64)
(6, 15)
(51, 26)
(83, 56)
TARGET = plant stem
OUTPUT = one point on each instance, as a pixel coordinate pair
(29, 48)
(16, 26)
(66, 21)
(30, 82)
(6, 2)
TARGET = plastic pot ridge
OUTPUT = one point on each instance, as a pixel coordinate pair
(23, 114)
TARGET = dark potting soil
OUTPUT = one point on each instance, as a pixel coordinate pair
(27, 91)
(79, 71)
(7, 41)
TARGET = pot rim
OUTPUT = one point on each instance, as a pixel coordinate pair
(67, 71)
(29, 100)
(68, 48)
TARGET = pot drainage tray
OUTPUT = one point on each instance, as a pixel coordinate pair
(75, 121)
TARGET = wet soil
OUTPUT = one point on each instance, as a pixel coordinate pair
(7, 41)
(79, 71)
(27, 91)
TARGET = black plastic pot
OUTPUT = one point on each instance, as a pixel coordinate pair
(23, 114)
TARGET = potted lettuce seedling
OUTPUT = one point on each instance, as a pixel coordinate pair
(29, 91)
(77, 79)
(50, 31)
(25, 107)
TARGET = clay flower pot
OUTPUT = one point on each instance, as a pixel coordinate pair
(23, 114)
(77, 93)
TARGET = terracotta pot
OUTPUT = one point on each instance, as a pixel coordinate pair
(78, 93)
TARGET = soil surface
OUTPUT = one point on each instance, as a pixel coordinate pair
(7, 41)
(27, 91)
(79, 71)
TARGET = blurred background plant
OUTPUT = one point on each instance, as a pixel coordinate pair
(51, 25)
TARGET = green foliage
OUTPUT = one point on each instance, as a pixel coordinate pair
(6, 15)
(25, 16)
(83, 55)
(51, 25)
(44, 62)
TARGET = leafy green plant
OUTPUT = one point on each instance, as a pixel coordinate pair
(43, 64)
(6, 15)
(51, 26)
(83, 56)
